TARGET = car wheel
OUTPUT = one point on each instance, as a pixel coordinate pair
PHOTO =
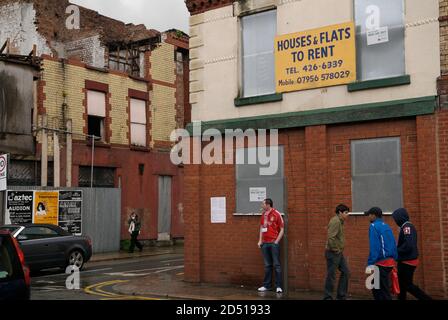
(76, 258)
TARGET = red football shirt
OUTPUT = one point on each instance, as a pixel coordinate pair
(273, 222)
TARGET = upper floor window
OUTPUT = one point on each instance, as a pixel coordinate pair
(96, 108)
(138, 123)
(258, 38)
(380, 38)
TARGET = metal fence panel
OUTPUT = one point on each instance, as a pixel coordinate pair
(101, 215)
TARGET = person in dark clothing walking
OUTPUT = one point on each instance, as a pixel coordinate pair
(335, 255)
(407, 256)
(134, 230)
(383, 252)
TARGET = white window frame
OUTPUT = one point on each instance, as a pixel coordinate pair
(242, 90)
(137, 119)
(382, 25)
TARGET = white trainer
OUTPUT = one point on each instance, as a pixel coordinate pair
(279, 290)
(263, 289)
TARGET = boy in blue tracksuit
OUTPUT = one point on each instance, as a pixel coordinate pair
(383, 252)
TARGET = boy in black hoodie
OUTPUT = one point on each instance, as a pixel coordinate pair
(407, 256)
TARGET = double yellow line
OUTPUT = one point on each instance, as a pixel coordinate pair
(98, 290)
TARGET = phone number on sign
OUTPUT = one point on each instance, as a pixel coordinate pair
(323, 66)
(324, 77)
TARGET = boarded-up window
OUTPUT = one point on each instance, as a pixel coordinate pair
(138, 122)
(259, 31)
(376, 174)
(380, 33)
(96, 102)
(102, 177)
(253, 187)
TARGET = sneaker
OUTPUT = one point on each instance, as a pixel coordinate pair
(279, 290)
(263, 289)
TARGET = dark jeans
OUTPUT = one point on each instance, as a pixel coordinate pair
(271, 256)
(135, 242)
(335, 262)
(405, 277)
(383, 293)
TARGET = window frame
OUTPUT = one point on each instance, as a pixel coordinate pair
(131, 123)
(241, 79)
(400, 162)
(402, 79)
(280, 177)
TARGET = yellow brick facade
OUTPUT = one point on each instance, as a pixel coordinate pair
(163, 112)
(163, 98)
(70, 80)
(162, 63)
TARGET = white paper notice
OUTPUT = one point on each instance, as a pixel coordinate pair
(377, 36)
(218, 210)
(257, 194)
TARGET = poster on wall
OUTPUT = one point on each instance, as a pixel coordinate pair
(19, 207)
(257, 194)
(316, 58)
(218, 210)
(46, 207)
(70, 211)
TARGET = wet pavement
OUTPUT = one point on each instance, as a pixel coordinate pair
(98, 279)
(155, 274)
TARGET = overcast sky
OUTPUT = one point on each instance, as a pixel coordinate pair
(161, 15)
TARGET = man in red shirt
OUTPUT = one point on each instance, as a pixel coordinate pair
(271, 233)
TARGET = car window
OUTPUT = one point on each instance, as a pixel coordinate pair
(9, 262)
(33, 233)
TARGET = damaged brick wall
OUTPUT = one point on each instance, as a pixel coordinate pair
(43, 22)
(17, 22)
(88, 50)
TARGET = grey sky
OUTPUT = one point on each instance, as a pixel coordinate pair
(155, 14)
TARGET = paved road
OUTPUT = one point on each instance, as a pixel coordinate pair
(98, 279)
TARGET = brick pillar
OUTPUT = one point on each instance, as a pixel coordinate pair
(317, 202)
(432, 266)
(442, 130)
(192, 220)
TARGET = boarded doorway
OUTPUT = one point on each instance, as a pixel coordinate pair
(164, 217)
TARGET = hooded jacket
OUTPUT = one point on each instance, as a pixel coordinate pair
(407, 240)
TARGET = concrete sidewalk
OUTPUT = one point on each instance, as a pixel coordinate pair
(173, 286)
(147, 252)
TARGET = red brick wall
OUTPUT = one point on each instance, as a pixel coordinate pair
(139, 192)
(318, 175)
(442, 150)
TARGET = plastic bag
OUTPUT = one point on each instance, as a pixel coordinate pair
(395, 285)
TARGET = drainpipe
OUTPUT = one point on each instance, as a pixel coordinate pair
(69, 153)
(285, 242)
(57, 160)
(44, 157)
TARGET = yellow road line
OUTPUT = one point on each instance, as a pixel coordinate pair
(97, 290)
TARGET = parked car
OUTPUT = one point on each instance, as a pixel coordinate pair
(14, 273)
(49, 246)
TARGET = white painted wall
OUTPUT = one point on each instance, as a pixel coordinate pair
(215, 59)
(17, 24)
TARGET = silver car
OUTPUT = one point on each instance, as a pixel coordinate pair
(48, 246)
